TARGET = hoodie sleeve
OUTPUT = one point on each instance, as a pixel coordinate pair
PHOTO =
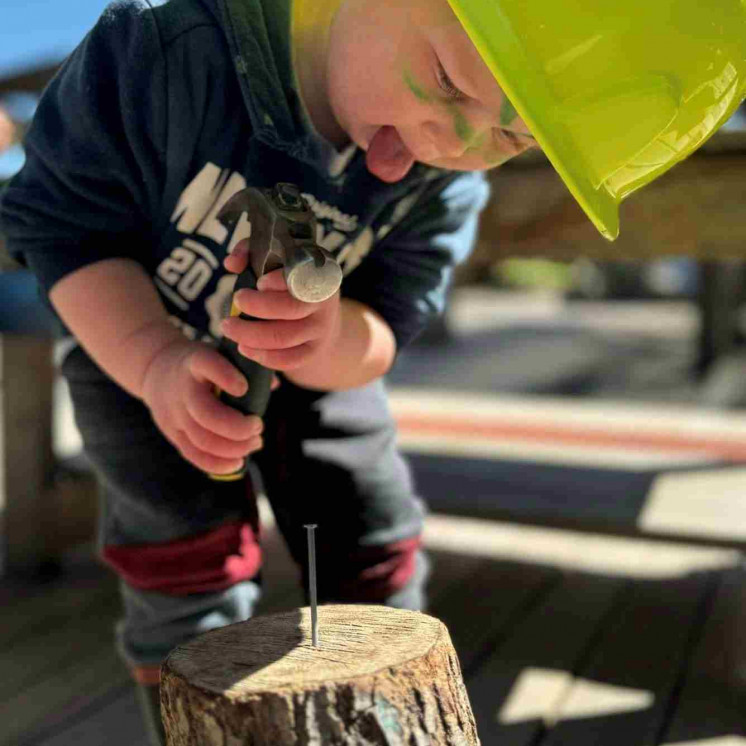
(406, 276)
(93, 152)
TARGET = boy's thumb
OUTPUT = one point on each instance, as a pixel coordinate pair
(238, 257)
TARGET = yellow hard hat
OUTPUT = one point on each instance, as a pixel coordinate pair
(614, 92)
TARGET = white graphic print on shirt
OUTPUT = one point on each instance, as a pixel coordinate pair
(185, 273)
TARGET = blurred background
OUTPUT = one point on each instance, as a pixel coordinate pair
(575, 422)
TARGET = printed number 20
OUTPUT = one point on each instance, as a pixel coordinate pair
(186, 272)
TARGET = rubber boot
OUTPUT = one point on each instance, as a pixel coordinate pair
(149, 699)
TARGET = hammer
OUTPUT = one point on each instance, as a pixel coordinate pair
(283, 231)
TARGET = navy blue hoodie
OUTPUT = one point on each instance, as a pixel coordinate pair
(167, 109)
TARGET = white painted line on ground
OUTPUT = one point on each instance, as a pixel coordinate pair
(572, 550)
(708, 503)
(633, 418)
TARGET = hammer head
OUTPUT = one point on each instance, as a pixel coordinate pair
(283, 230)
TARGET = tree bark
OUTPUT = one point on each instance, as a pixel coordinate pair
(380, 677)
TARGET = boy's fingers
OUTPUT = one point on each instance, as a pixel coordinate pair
(241, 248)
(272, 281)
(235, 264)
(278, 359)
(272, 305)
(209, 365)
(205, 461)
(237, 260)
(212, 414)
(214, 445)
(271, 335)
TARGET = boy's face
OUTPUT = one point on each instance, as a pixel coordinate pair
(406, 84)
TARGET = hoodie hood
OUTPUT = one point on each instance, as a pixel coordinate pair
(259, 37)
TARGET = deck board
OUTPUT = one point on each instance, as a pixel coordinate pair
(37, 607)
(621, 695)
(515, 692)
(712, 702)
(56, 649)
(43, 653)
(485, 605)
(65, 695)
(120, 708)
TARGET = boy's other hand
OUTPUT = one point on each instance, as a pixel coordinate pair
(289, 332)
(178, 388)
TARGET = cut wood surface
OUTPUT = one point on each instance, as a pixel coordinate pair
(379, 676)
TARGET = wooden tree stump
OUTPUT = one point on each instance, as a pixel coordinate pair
(380, 677)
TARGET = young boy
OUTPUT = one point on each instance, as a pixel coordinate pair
(383, 113)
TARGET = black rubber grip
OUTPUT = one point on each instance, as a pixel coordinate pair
(260, 378)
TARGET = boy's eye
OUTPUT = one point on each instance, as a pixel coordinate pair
(514, 138)
(447, 84)
(518, 140)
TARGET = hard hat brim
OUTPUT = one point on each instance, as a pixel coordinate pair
(509, 65)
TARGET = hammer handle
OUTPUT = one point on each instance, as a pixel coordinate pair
(255, 400)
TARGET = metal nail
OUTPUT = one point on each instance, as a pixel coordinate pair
(311, 527)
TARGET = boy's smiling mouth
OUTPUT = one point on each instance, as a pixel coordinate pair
(388, 157)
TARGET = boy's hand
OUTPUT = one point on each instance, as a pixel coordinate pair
(291, 332)
(179, 390)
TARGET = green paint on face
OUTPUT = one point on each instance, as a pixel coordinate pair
(494, 161)
(420, 93)
(464, 130)
(508, 114)
(479, 142)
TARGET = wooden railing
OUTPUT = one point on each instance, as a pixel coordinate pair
(698, 209)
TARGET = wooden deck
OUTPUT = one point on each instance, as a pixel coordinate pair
(564, 638)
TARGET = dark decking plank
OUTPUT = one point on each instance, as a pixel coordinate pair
(40, 655)
(484, 606)
(60, 696)
(527, 676)
(712, 702)
(447, 571)
(31, 609)
(59, 656)
(644, 651)
(113, 721)
(505, 490)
